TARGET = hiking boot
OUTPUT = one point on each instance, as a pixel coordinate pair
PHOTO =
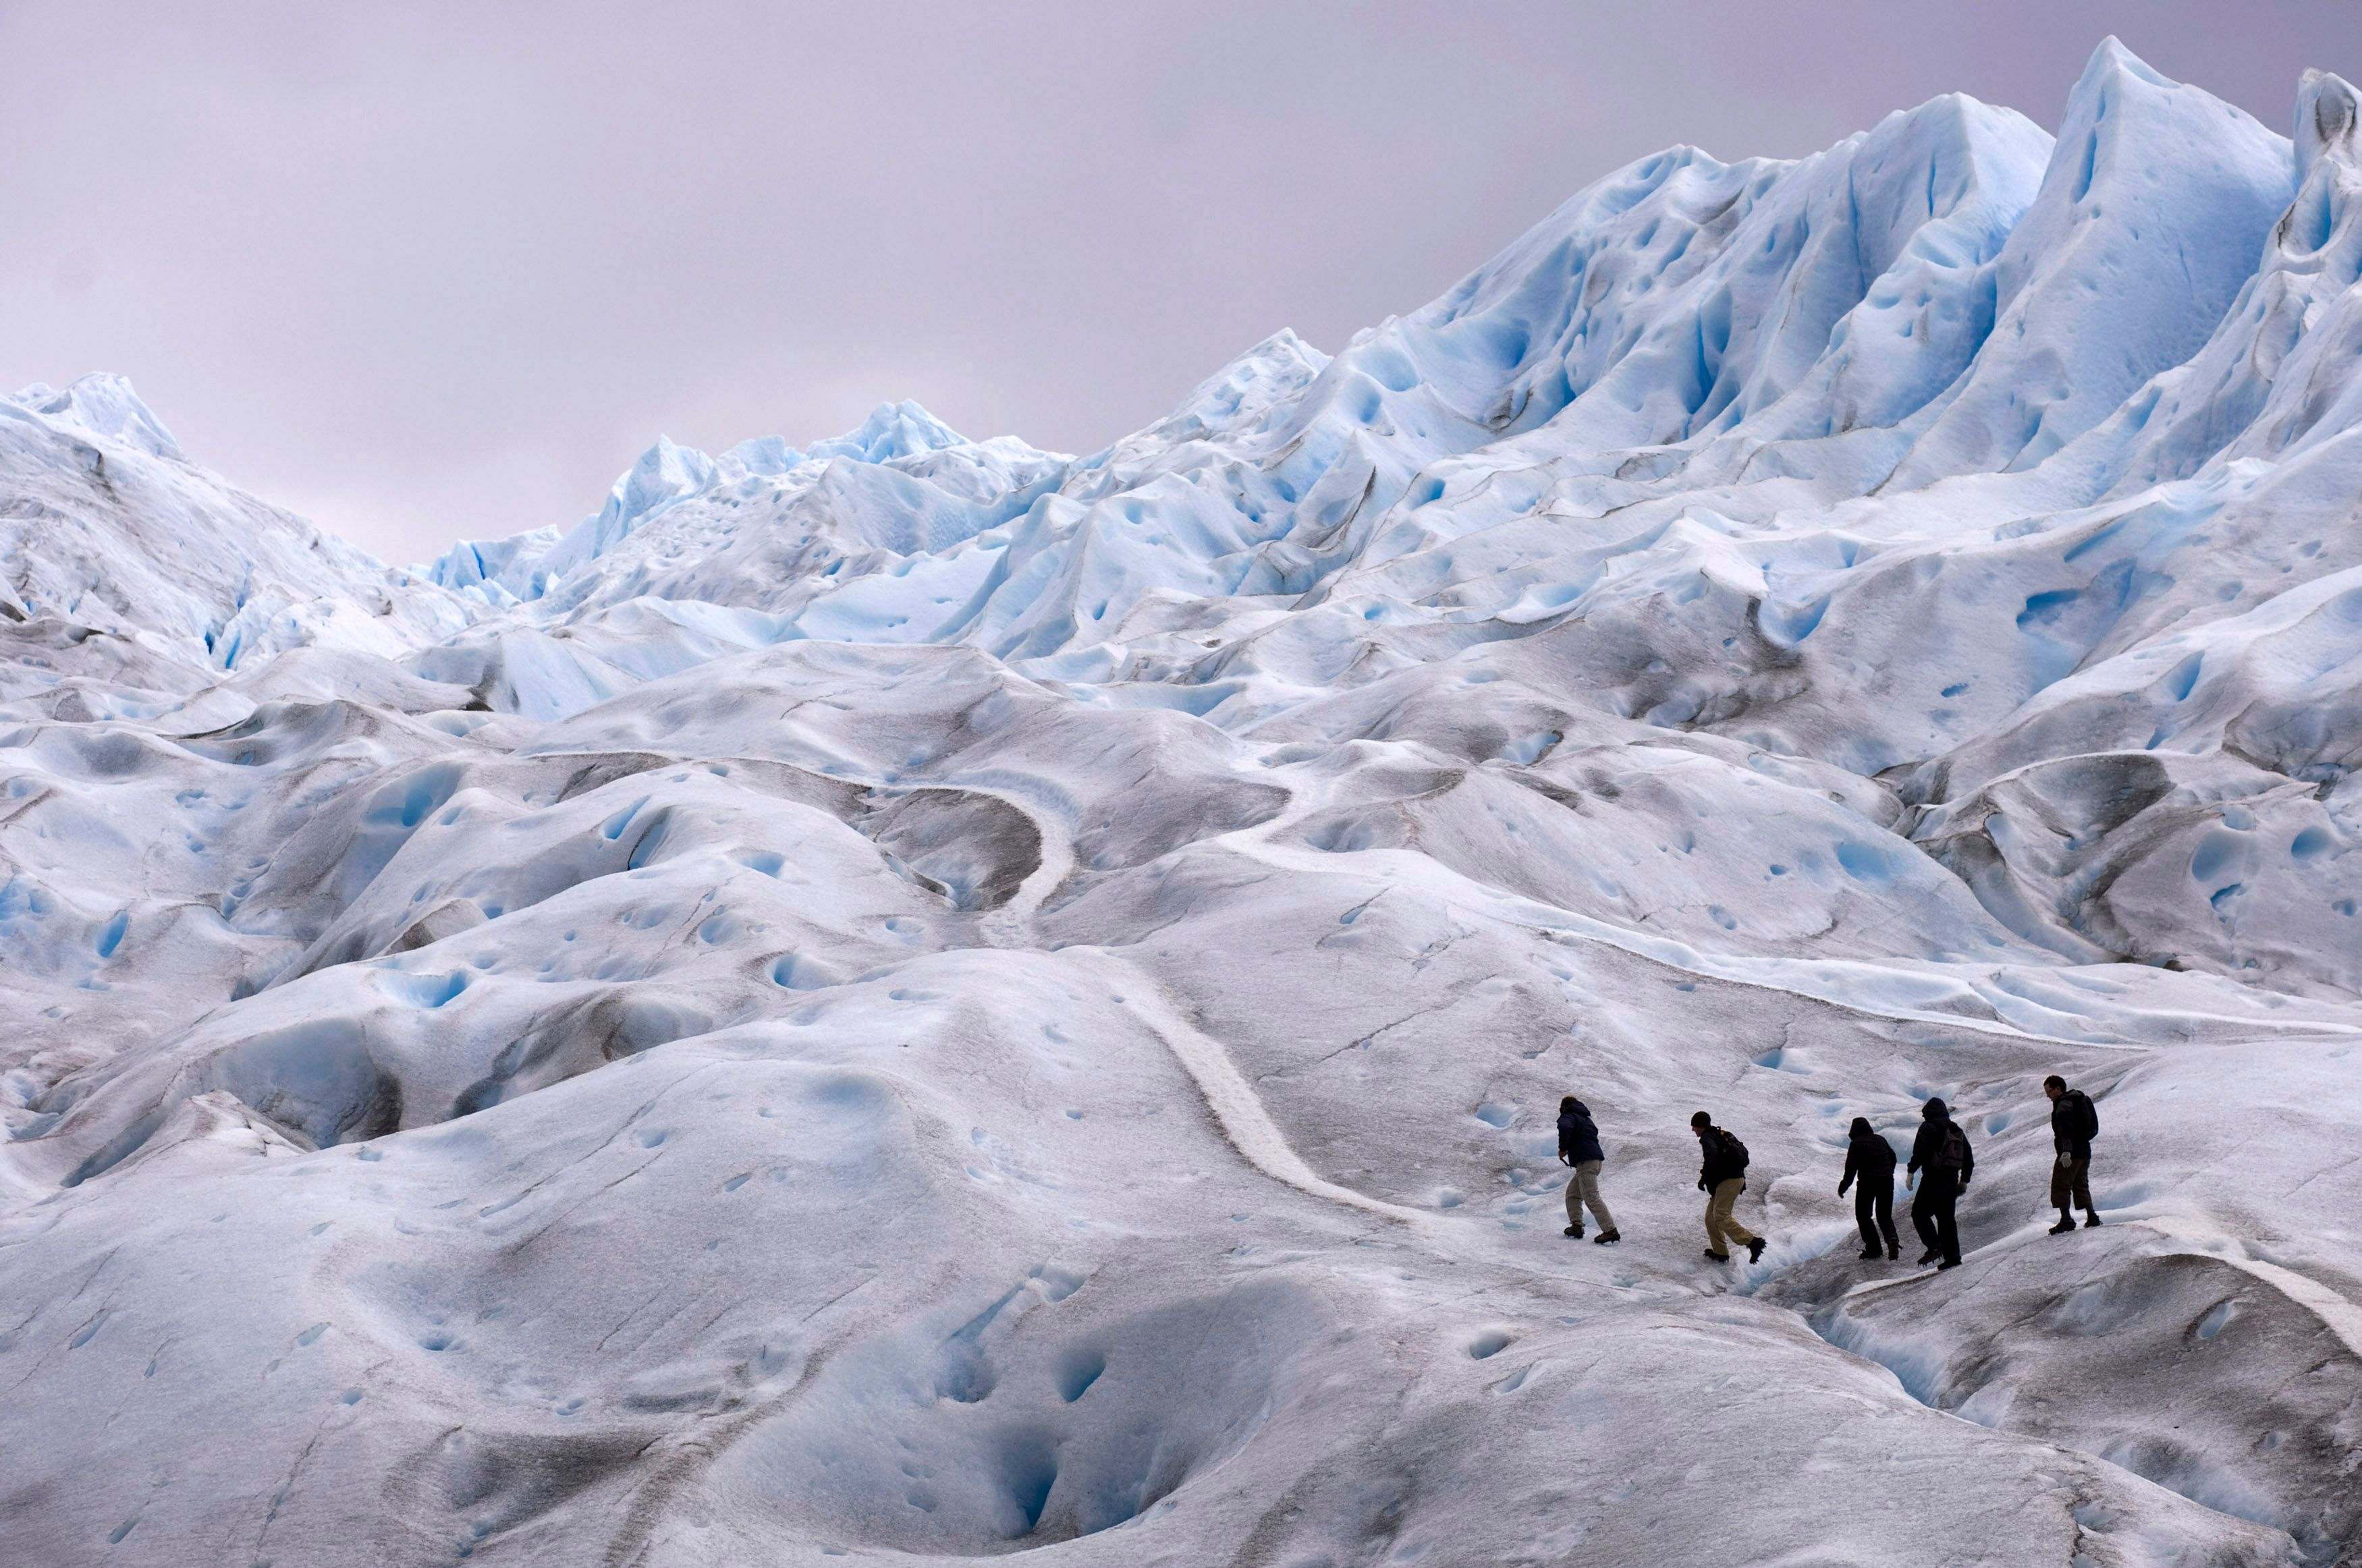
(1755, 1250)
(2090, 1223)
(1871, 1254)
(1718, 1257)
(1930, 1255)
(1948, 1262)
(2063, 1226)
(1606, 1238)
(1894, 1254)
(1574, 1231)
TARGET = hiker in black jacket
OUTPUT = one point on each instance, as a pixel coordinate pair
(2073, 1124)
(1942, 1160)
(1723, 1176)
(1578, 1145)
(1869, 1160)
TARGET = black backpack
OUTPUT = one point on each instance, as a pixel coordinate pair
(1733, 1152)
(1953, 1153)
(2085, 1111)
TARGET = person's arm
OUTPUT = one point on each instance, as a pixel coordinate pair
(1853, 1159)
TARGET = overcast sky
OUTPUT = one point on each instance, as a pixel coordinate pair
(425, 273)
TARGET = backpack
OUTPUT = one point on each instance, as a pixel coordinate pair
(1953, 1153)
(1733, 1150)
(2086, 1112)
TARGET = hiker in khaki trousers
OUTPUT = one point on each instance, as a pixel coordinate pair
(1722, 1177)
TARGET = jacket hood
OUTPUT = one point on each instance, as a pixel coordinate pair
(1934, 1111)
(1861, 1128)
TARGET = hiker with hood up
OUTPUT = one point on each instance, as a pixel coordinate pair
(2073, 1124)
(1942, 1160)
(1578, 1145)
(1869, 1160)
(1723, 1176)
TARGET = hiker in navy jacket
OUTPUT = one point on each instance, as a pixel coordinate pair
(1942, 1160)
(1578, 1145)
(1870, 1161)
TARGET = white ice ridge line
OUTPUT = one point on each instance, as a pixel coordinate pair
(2338, 1314)
(1566, 923)
(1517, 909)
(1012, 925)
(1235, 1105)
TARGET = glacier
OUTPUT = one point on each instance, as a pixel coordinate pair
(908, 998)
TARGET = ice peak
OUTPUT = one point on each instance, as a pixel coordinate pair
(763, 455)
(2112, 62)
(665, 472)
(2122, 107)
(1280, 366)
(892, 430)
(103, 407)
(2326, 113)
(1284, 347)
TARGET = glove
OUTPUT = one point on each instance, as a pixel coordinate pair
(2065, 1158)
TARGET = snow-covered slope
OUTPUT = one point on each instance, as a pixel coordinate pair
(914, 999)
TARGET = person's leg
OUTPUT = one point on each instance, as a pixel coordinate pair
(2080, 1187)
(1922, 1218)
(1714, 1242)
(1947, 1225)
(1887, 1219)
(1726, 1195)
(1865, 1218)
(1586, 1177)
(1574, 1201)
(2061, 1187)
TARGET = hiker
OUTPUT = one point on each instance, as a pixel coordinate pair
(1578, 1145)
(1869, 1160)
(1942, 1160)
(1722, 1177)
(2074, 1122)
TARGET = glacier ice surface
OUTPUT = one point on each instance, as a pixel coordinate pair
(910, 997)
